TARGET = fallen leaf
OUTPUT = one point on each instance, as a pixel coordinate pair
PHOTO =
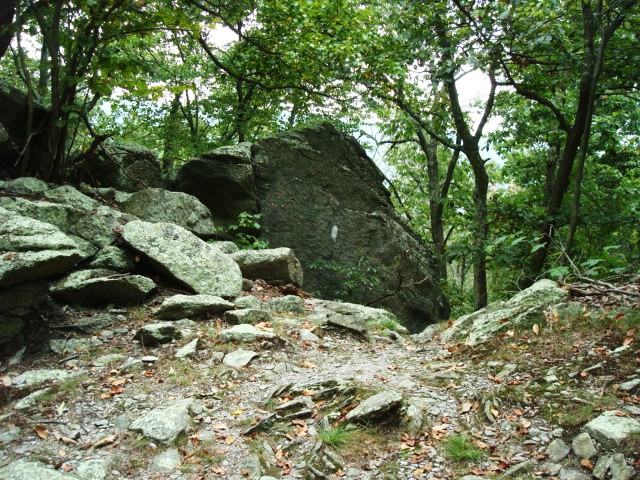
(67, 468)
(586, 463)
(627, 341)
(237, 412)
(229, 440)
(536, 328)
(6, 380)
(308, 364)
(219, 471)
(104, 441)
(41, 431)
(219, 426)
(482, 445)
(308, 393)
(510, 333)
(466, 407)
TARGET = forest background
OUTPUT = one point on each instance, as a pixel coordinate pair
(182, 77)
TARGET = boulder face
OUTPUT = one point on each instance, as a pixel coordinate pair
(223, 181)
(320, 195)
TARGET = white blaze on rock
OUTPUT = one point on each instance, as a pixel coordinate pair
(334, 233)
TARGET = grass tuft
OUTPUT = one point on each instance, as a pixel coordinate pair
(337, 436)
(460, 448)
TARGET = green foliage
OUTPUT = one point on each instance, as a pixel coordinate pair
(338, 436)
(243, 232)
(460, 448)
(360, 279)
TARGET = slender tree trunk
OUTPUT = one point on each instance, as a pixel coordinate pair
(480, 230)
(578, 135)
(171, 123)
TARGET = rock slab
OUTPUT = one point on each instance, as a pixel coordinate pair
(612, 428)
(165, 423)
(180, 254)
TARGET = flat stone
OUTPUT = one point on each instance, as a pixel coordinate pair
(106, 360)
(239, 358)
(10, 434)
(612, 430)
(308, 336)
(348, 322)
(31, 399)
(191, 306)
(166, 461)
(557, 450)
(73, 345)
(571, 474)
(286, 304)
(601, 467)
(176, 252)
(248, 301)
(165, 423)
(630, 386)
(583, 446)
(619, 468)
(245, 333)
(93, 469)
(156, 333)
(28, 470)
(38, 376)
(188, 350)
(376, 406)
(247, 315)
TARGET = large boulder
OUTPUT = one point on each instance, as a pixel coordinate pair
(159, 205)
(33, 250)
(520, 311)
(179, 254)
(321, 195)
(124, 167)
(223, 181)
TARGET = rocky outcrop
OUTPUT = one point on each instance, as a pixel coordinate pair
(319, 194)
(178, 253)
(522, 310)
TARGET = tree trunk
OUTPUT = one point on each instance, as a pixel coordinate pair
(578, 134)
